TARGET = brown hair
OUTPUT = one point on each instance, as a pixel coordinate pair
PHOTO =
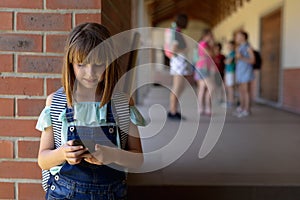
(232, 42)
(83, 46)
(244, 34)
(219, 45)
(181, 20)
(205, 32)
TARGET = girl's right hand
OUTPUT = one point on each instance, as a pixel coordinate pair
(73, 154)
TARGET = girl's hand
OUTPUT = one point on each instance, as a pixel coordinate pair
(73, 154)
(103, 155)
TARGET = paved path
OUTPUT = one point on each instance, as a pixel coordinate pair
(263, 149)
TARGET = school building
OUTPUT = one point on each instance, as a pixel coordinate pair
(272, 29)
(32, 36)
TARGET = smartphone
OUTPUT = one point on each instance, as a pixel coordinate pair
(88, 137)
(78, 142)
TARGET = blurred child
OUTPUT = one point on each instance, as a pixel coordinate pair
(204, 72)
(219, 60)
(230, 73)
(244, 72)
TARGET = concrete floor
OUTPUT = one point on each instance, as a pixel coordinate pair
(260, 150)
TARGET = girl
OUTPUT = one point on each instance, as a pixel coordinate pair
(244, 72)
(179, 66)
(219, 59)
(205, 71)
(82, 143)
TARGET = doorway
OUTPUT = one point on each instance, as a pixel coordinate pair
(271, 56)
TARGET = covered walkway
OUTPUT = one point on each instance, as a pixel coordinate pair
(261, 150)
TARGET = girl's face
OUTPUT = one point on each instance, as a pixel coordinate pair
(208, 37)
(239, 38)
(230, 46)
(217, 50)
(89, 75)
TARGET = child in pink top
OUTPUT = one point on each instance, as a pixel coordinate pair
(204, 71)
(205, 61)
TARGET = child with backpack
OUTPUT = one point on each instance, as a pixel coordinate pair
(84, 147)
(244, 73)
(175, 48)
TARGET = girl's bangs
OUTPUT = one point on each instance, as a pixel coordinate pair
(77, 54)
(88, 53)
(101, 54)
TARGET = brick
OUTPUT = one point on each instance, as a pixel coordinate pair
(44, 22)
(53, 84)
(21, 86)
(40, 64)
(7, 149)
(6, 21)
(291, 74)
(291, 89)
(18, 128)
(6, 63)
(55, 43)
(73, 4)
(21, 4)
(7, 107)
(82, 18)
(30, 107)
(28, 149)
(14, 169)
(26, 191)
(20, 42)
(7, 191)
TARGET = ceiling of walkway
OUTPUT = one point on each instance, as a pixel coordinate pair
(210, 12)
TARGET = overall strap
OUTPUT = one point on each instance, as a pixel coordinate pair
(69, 114)
(117, 112)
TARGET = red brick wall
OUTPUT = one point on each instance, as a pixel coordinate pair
(32, 36)
(291, 90)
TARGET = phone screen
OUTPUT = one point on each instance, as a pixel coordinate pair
(90, 136)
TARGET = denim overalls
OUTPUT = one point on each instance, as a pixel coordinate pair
(84, 180)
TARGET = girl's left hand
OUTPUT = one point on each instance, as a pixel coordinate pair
(103, 155)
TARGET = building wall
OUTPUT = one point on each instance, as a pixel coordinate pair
(291, 58)
(248, 17)
(32, 39)
(116, 15)
(291, 32)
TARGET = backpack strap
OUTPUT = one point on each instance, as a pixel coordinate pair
(58, 104)
(120, 104)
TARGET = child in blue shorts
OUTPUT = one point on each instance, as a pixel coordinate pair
(244, 72)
